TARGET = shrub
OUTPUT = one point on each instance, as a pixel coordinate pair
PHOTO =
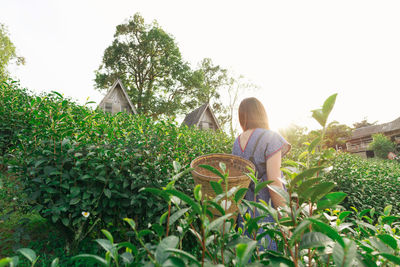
(381, 145)
(369, 183)
(71, 160)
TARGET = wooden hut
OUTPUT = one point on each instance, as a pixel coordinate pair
(203, 118)
(362, 137)
(117, 100)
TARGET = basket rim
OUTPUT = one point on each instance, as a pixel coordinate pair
(204, 177)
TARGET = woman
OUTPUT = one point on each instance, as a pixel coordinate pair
(265, 149)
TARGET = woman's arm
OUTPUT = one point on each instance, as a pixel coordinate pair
(274, 174)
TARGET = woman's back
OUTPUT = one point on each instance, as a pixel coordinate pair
(260, 145)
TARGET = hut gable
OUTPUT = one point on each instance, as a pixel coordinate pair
(203, 118)
(362, 137)
(117, 100)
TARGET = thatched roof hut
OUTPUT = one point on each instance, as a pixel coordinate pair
(117, 100)
(203, 118)
(362, 137)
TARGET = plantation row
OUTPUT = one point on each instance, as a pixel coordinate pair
(371, 183)
(72, 159)
(84, 170)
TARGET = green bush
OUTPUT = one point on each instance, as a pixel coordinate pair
(381, 145)
(72, 159)
(369, 183)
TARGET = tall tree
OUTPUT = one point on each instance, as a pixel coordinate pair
(7, 52)
(295, 134)
(235, 86)
(336, 134)
(208, 81)
(150, 65)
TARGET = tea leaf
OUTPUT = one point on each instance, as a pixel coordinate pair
(314, 240)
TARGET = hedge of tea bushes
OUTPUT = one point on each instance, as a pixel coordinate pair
(72, 159)
(369, 183)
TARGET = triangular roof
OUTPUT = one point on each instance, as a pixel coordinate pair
(122, 87)
(373, 129)
(193, 118)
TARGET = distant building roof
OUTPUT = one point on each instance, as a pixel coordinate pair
(194, 117)
(118, 84)
(382, 128)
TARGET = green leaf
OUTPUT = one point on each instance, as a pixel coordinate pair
(329, 231)
(177, 166)
(174, 217)
(390, 219)
(161, 254)
(108, 235)
(179, 175)
(280, 191)
(163, 217)
(65, 221)
(331, 200)
(246, 252)
(299, 231)
(216, 206)
(344, 255)
(306, 174)
(216, 187)
(128, 245)
(75, 191)
(195, 206)
(240, 194)
(156, 192)
(144, 232)
(261, 185)
(55, 263)
(107, 193)
(315, 142)
(75, 201)
(5, 261)
(306, 185)
(213, 170)
(28, 253)
(387, 210)
(105, 244)
(314, 240)
(214, 225)
(303, 155)
(95, 258)
(391, 258)
(388, 240)
(265, 207)
(319, 116)
(328, 105)
(184, 254)
(344, 214)
(174, 262)
(222, 166)
(197, 192)
(240, 250)
(131, 223)
(321, 190)
(379, 245)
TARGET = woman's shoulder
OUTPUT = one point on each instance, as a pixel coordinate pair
(267, 133)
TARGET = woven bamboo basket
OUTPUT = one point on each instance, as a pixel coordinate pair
(237, 168)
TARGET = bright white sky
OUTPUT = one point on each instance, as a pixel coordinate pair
(297, 52)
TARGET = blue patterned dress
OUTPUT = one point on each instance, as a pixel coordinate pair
(269, 143)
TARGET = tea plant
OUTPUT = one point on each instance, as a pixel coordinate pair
(72, 160)
(369, 183)
(311, 230)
